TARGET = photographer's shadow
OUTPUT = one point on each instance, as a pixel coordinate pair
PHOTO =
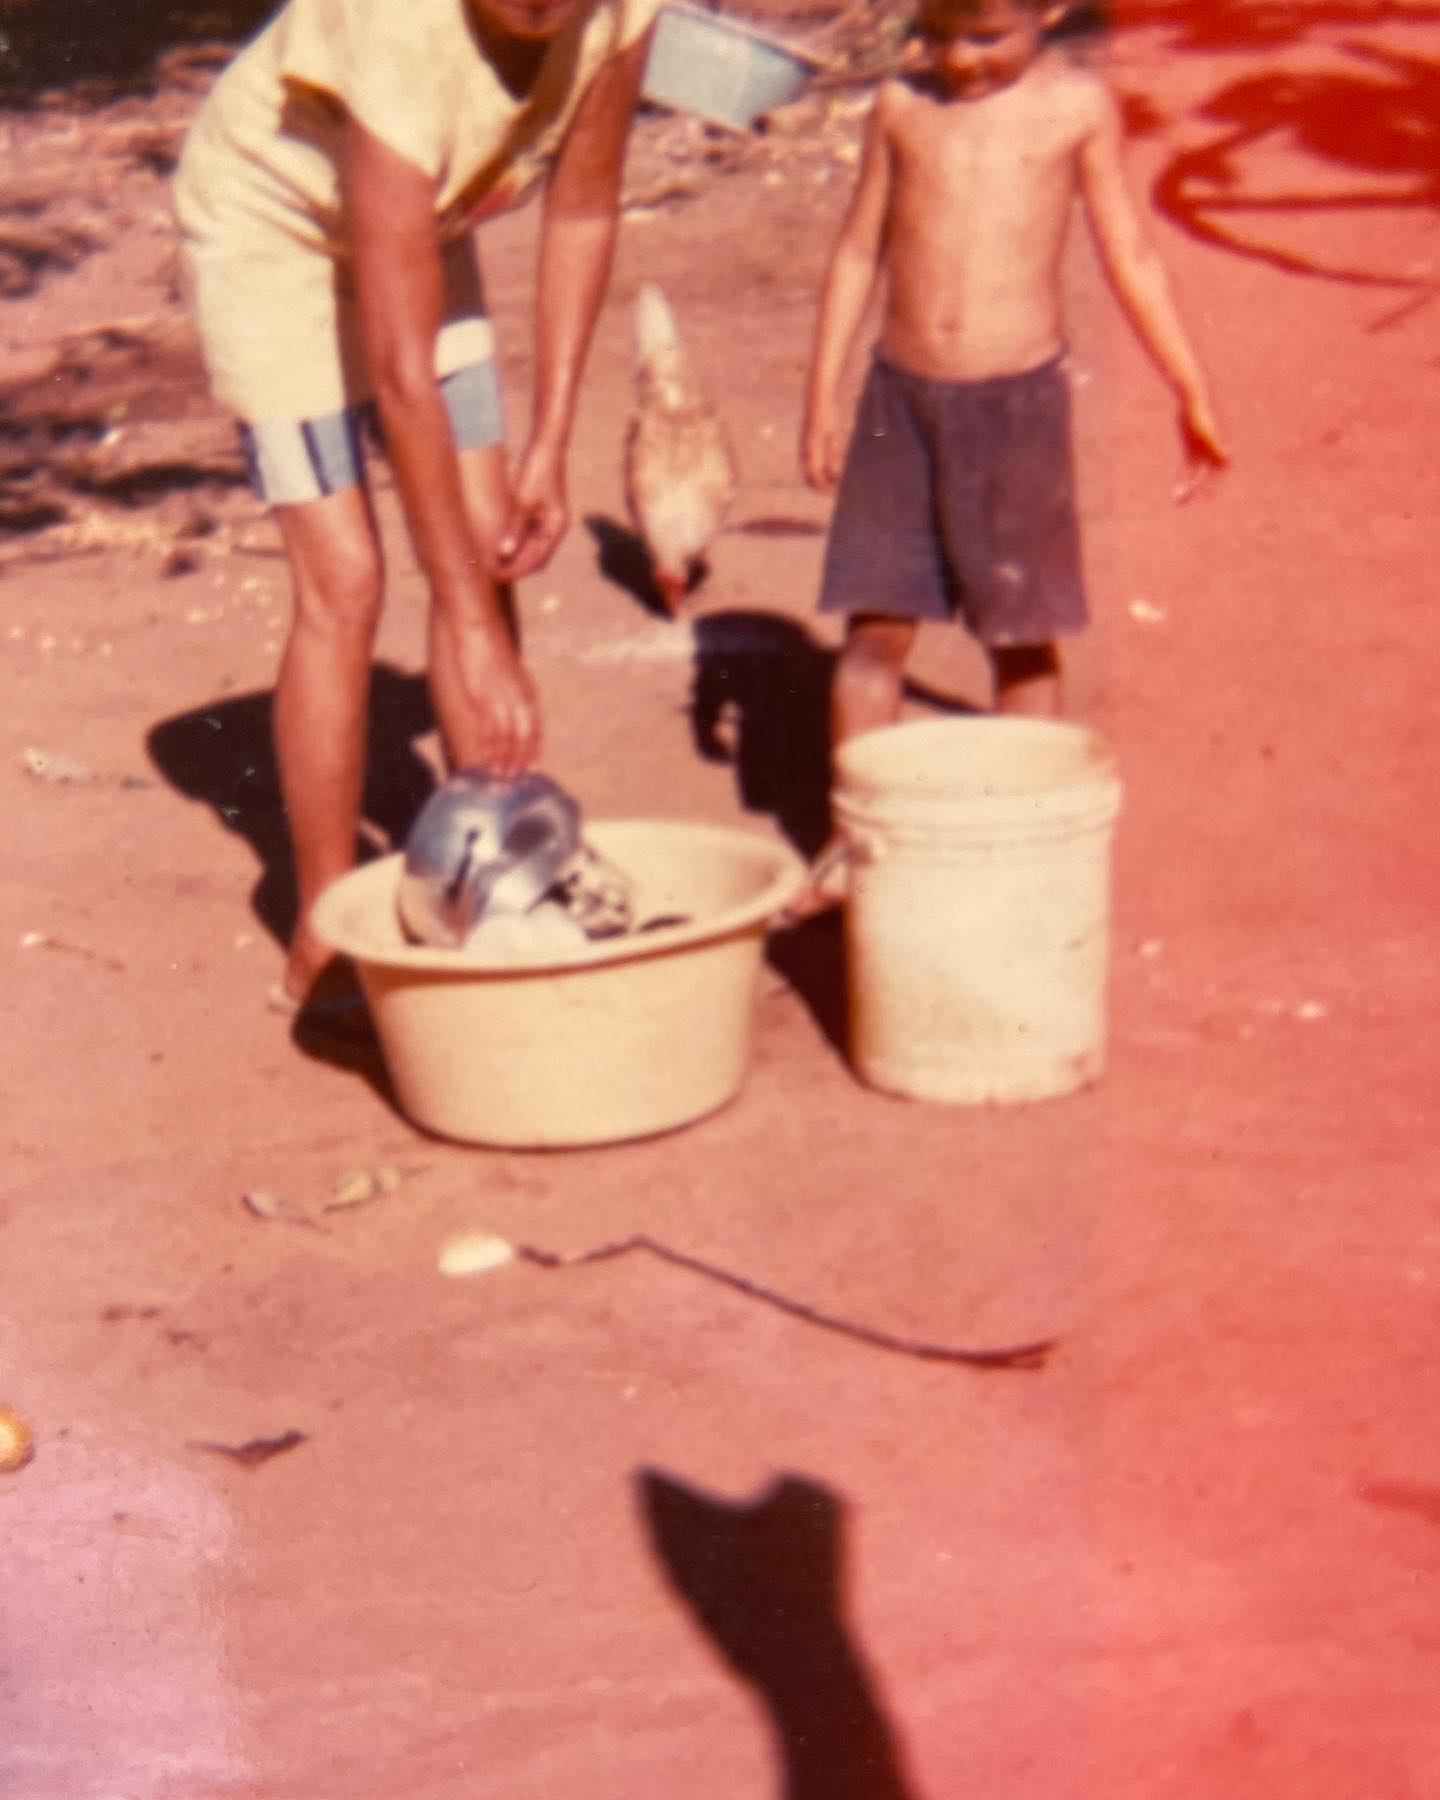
(763, 1579)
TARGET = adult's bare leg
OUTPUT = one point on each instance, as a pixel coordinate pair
(322, 698)
(868, 693)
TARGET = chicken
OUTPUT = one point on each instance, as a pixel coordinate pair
(679, 468)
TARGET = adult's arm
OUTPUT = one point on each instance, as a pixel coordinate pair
(391, 212)
(577, 244)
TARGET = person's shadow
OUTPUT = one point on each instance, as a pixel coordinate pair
(223, 754)
(760, 701)
(763, 1579)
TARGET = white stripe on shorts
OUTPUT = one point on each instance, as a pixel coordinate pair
(296, 460)
(284, 471)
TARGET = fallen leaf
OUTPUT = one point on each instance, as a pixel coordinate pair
(474, 1253)
(17, 1446)
(353, 1190)
(46, 765)
(266, 1205)
(364, 1186)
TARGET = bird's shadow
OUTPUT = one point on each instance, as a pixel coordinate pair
(763, 1578)
(623, 558)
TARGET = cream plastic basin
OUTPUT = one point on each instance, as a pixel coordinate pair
(623, 1038)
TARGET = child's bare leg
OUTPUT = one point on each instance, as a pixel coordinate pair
(868, 693)
(321, 699)
(870, 675)
(1027, 680)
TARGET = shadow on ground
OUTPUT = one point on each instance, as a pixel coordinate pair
(811, 959)
(1256, 24)
(623, 559)
(760, 702)
(223, 755)
(95, 44)
(1374, 129)
(763, 1579)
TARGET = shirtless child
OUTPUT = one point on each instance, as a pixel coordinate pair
(956, 493)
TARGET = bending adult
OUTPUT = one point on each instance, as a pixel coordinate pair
(328, 194)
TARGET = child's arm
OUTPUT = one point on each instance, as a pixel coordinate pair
(1138, 277)
(854, 265)
(577, 243)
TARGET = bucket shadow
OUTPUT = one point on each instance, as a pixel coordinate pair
(810, 958)
(763, 1579)
(223, 755)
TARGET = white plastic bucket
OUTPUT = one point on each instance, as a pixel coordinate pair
(623, 1038)
(977, 916)
(720, 69)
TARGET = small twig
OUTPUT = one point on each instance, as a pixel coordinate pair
(1399, 314)
(255, 1451)
(1019, 1356)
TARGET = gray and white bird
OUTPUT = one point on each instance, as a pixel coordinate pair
(680, 473)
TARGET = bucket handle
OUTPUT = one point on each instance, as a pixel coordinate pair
(831, 868)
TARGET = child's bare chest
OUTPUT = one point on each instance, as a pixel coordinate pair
(991, 154)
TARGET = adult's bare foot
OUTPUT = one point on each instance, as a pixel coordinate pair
(309, 964)
(330, 1002)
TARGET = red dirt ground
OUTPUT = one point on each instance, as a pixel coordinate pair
(1192, 1555)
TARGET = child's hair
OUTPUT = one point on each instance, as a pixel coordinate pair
(1078, 16)
(947, 10)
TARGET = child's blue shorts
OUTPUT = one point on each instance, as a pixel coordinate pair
(292, 461)
(958, 498)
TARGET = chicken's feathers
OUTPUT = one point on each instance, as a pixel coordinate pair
(680, 473)
(654, 324)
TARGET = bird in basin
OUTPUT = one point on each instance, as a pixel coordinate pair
(680, 471)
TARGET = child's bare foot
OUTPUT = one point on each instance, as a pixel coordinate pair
(825, 888)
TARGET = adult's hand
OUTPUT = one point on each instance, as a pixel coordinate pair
(577, 240)
(482, 692)
(539, 514)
